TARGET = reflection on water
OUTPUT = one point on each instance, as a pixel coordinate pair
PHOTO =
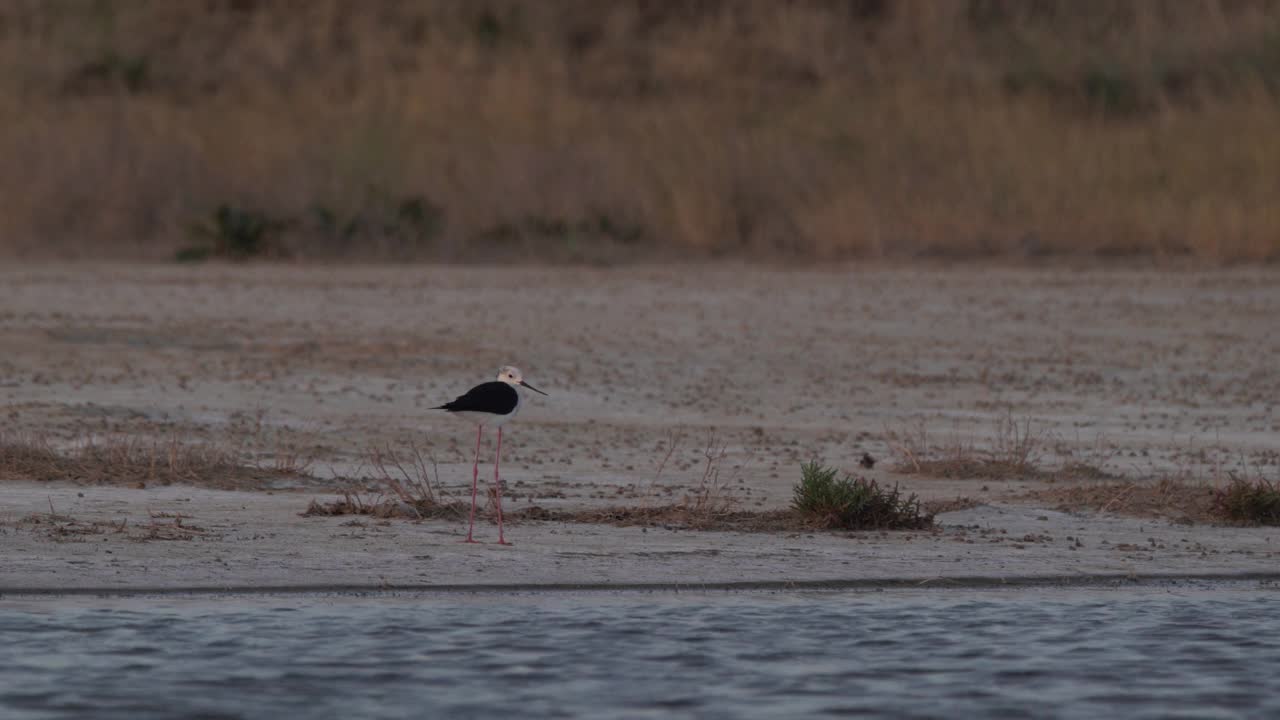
(890, 654)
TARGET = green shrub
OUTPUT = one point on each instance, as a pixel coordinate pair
(234, 233)
(850, 503)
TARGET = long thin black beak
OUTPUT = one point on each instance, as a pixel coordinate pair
(532, 387)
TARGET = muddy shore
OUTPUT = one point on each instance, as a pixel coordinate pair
(1140, 374)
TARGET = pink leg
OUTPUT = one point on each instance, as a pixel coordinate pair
(475, 478)
(497, 488)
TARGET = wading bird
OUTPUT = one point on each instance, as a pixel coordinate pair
(493, 404)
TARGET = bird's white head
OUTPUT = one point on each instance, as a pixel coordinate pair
(511, 376)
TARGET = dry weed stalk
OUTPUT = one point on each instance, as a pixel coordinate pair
(1089, 464)
(909, 444)
(413, 485)
(674, 437)
(714, 496)
(1018, 446)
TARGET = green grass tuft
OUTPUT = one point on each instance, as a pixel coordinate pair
(849, 503)
(1249, 502)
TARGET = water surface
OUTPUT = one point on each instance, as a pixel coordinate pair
(1189, 652)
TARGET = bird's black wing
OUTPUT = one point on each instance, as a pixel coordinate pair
(491, 397)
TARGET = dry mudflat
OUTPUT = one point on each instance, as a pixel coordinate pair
(302, 371)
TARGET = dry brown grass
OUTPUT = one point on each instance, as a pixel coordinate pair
(410, 480)
(133, 461)
(1016, 451)
(65, 528)
(379, 505)
(937, 507)
(405, 485)
(583, 130)
(1233, 500)
(1172, 498)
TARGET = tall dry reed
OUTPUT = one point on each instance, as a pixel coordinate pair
(577, 129)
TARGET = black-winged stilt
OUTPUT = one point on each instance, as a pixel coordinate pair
(493, 404)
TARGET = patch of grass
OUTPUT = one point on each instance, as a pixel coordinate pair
(1013, 129)
(937, 507)
(406, 487)
(379, 505)
(593, 236)
(411, 481)
(133, 461)
(1175, 498)
(1105, 90)
(235, 233)
(30, 457)
(64, 528)
(193, 254)
(173, 529)
(1015, 452)
(1248, 501)
(110, 73)
(406, 225)
(289, 462)
(493, 28)
(332, 226)
(418, 219)
(828, 501)
(1112, 92)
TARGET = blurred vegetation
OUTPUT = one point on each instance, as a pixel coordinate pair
(571, 130)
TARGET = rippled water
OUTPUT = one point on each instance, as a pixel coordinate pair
(889, 654)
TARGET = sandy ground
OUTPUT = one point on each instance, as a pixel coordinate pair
(1140, 373)
(245, 540)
